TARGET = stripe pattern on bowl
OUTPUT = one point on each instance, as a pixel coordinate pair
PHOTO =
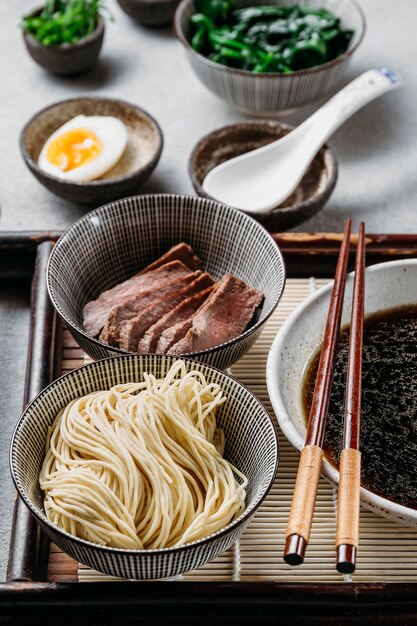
(113, 242)
(251, 445)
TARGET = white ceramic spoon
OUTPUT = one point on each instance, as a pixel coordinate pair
(262, 179)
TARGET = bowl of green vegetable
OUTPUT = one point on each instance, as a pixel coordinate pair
(64, 36)
(266, 56)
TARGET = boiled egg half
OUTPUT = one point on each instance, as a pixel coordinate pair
(84, 148)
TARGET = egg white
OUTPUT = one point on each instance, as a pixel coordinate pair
(112, 134)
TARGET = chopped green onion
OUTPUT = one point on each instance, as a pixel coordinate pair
(64, 21)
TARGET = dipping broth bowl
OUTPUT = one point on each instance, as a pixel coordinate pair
(388, 285)
(114, 242)
(269, 93)
(251, 445)
(138, 161)
(231, 141)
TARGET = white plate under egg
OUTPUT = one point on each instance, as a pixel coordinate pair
(388, 285)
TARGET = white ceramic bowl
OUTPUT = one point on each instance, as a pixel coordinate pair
(388, 285)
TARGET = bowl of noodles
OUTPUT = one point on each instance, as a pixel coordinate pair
(144, 466)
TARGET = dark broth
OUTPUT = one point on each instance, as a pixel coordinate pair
(389, 404)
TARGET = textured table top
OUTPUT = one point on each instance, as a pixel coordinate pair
(376, 149)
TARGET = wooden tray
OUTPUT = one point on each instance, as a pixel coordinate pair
(32, 595)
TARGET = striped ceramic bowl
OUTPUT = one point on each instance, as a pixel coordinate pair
(113, 242)
(251, 445)
(267, 93)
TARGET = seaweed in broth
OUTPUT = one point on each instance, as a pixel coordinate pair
(389, 404)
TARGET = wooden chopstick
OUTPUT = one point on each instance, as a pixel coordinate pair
(347, 531)
(305, 491)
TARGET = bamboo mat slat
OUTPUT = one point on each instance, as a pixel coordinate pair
(388, 552)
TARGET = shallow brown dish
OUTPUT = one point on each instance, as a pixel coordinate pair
(231, 141)
(150, 12)
(142, 152)
(65, 58)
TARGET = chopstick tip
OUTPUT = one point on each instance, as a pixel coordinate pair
(295, 547)
(346, 558)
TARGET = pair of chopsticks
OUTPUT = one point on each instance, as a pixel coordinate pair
(305, 491)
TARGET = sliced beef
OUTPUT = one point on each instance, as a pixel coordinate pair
(181, 252)
(132, 306)
(177, 315)
(96, 312)
(224, 315)
(131, 332)
(173, 335)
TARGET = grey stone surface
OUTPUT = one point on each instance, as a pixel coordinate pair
(377, 149)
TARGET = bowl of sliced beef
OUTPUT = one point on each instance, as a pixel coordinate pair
(166, 274)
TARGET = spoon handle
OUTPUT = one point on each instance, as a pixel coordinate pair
(368, 86)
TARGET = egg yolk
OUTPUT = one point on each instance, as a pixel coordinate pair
(74, 148)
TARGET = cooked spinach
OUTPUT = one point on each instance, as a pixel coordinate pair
(267, 38)
(64, 21)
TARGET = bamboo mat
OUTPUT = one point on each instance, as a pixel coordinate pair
(388, 552)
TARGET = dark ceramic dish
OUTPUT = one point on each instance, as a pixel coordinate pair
(150, 12)
(112, 243)
(138, 161)
(252, 447)
(66, 58)
(231, 141)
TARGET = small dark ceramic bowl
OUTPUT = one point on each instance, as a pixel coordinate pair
(150, 12)
(66, 58)
(251, 446)
(135, 166)
(231, 141)
(112, 243)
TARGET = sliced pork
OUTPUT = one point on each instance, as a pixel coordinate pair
(96, 312)
(177, 315)
(224, 315)
(132, 331)
(133, 305)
